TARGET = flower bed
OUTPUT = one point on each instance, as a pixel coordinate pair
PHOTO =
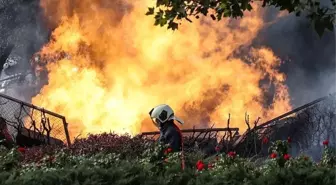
(112, 159)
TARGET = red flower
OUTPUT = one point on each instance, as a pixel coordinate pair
(217, 158)
(21, 150)
(200, 165)
(265, 140)
(289, 139)
(326, 142)
(210, 166)
(167, 151)
(217, 148)
(273, 155)
(165, 160)
(286, 156)
(232, 154)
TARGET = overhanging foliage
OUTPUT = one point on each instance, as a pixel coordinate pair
(171, 12)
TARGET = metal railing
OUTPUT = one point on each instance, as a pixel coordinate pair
(275, 121)
(204, 139)
(32, 121)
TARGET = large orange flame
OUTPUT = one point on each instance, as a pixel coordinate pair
(120, 66)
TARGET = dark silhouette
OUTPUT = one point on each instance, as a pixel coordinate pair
(171, 134)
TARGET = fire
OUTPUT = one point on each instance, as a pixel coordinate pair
(120, 66)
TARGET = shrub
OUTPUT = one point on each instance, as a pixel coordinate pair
(157, 164)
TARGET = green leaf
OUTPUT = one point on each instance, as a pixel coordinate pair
(298, 13)
(182, 11)
(319, 27)
(172, 25)
(163, 21)
(330, 26)
(150, 11)
(328, 23)
(227, 13)
(244, 4)
(157, 22)
(222, 6)
(219, 16)
(249, 7)
(160, 2)
(204, 11)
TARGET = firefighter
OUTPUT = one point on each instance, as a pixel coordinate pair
(163, 117)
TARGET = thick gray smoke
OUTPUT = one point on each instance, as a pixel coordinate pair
(310, 66)
(310, 61)
(21, 26)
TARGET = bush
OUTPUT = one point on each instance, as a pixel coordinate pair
(156, 164)
(125, 146)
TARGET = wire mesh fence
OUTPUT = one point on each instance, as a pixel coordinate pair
(33, 122)
(307, 126)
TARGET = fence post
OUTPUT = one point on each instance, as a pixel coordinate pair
(65, 124)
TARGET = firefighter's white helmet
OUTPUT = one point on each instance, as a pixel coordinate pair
(163, 113)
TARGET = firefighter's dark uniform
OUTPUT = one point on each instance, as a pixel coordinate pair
(171, 134)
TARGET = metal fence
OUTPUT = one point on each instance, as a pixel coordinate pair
(203, 139)
(224, 133)
(32, 121)
(307, 126)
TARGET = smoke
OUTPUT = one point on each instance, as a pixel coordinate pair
(309, 63)
(22, 27)
(309, 60)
